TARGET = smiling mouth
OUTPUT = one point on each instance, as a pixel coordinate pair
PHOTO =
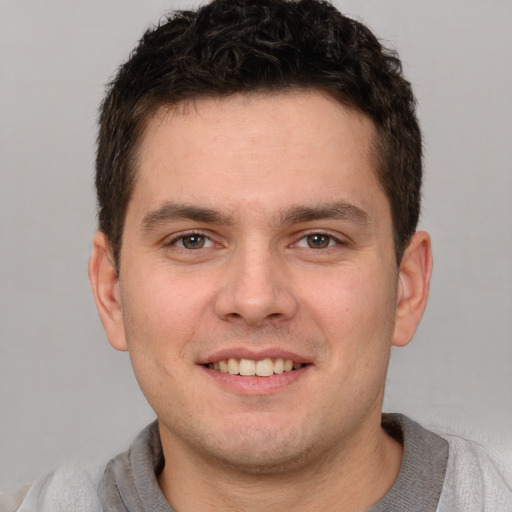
(249, 367)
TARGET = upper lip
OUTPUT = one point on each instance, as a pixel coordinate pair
(255, 355)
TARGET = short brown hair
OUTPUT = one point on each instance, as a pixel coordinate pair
(230, 46)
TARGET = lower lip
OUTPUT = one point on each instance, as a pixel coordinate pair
(256, 386)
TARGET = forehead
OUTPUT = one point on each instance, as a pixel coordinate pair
(265, 150)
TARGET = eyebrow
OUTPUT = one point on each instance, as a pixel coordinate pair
(338, 211)
(172, 211)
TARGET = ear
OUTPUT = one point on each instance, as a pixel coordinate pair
(413, 287)
(105, 288)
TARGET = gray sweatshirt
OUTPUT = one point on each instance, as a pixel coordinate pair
(438, 474)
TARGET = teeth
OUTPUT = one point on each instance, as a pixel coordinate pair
(233, 366)
(279, 365)
(288, 365)
(248, 367)
(223, 366)
(265, 368)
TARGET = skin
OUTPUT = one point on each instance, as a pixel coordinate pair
(294, 258)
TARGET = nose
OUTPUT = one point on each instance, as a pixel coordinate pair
(255, 289)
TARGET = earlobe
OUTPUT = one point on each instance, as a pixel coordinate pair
(105, 287)
(413, 287)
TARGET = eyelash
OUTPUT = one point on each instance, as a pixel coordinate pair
(332, 240)
(174, 241)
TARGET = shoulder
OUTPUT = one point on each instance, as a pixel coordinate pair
(472, 480)
(67, 488)
(74, 489)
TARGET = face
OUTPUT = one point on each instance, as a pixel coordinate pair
(258, 289)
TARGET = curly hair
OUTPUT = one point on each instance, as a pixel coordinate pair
(232, 46)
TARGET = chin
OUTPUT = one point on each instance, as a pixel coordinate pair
(261, 450)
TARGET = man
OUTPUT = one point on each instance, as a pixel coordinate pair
(258, 178)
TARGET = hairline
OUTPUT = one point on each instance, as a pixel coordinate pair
(149, 110)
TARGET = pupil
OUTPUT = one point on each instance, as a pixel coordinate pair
(193, 241)
(318, 241)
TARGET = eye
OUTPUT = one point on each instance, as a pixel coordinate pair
(317, 241)
(193, 241)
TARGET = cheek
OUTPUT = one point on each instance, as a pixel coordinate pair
(165, 314)
(355, 310)
(163, 301)
(354, 293)
(157, 325)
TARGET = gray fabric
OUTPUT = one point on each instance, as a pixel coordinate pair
(473, 482)
(421, 477)
(68, 489)
(130, 483)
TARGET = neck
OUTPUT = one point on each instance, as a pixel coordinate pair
(352, 477)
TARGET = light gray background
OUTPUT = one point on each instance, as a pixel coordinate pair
(65, 395)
